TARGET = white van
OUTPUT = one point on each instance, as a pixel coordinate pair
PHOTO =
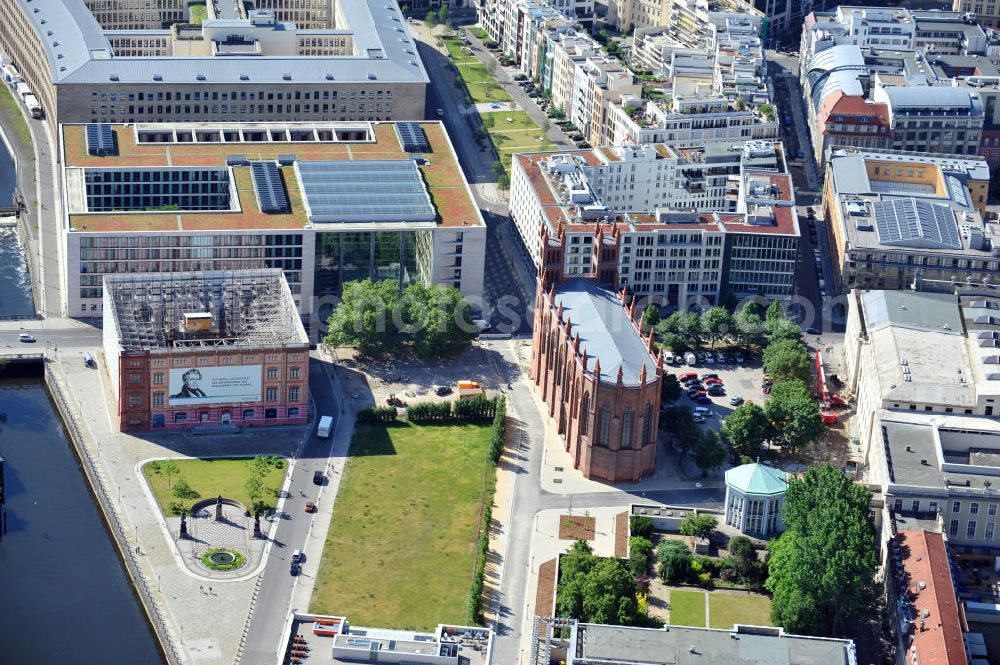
(668, 357)
(690, 358)
(325, 425)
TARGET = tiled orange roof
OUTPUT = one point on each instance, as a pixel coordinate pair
(936, 629)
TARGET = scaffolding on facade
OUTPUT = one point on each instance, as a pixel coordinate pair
(246, 308)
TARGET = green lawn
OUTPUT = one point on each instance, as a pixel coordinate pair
(502, 121)
(12, 110)
(402, 546)
(726, 609)
(210, 478)
(687, 608)
(483, 87)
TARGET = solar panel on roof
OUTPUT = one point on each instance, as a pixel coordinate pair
(412, 137)
(911, 222)
(269, 188)
(364, 191)
(100, 140)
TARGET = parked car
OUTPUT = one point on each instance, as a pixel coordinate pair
(442, 391)
(695, 393)
(812, 331)
(296, 568)
(735, 400)
(714, 382)
(702, 358)
(440, 113)
(710, 375)
(520, 77)
(716, 390)
(705, 411)
(687, 376)
(739, 357)
(703, 399)
(720, 357)
(310, 507)
(698, 418)
(318, 478)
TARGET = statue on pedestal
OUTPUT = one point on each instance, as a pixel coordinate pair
(218, 509)
(256, 525)
(184, 525)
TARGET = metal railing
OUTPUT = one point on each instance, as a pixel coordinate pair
(170, 643)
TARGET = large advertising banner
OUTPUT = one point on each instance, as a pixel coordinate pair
(214, 385)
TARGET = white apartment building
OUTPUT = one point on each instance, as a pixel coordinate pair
(925, 373)
(628, 15)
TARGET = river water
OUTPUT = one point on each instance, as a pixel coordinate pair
(15, 282)
(64, 597)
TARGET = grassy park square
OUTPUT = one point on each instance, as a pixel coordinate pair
(687, 608)
(210, 478)
(726, 609)
(401, 549)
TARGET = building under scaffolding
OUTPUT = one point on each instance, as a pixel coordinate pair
(221, 348)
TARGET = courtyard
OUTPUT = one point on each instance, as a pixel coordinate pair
(410, 494)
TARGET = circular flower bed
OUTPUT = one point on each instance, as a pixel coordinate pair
(222, 558)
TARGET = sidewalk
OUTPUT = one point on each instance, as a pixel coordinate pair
(208, 624)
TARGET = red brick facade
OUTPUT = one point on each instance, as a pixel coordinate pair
(144, 400)
(609, 427)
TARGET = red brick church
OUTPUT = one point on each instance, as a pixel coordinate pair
(599, 377)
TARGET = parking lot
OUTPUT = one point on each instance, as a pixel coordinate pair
(738, 379)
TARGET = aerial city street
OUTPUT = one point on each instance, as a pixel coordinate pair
(499, 332)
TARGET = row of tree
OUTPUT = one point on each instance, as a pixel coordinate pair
(686, 331)
(469, 409)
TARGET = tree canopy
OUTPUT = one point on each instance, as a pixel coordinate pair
(377, 318)
(716, 324)
(747, 325)
(681, 332)
(709, 453)
(794, 415)
(675, 560)
(597, 589)
(787, 360)
(746, 429)
(822, 568)
(679, 422)
(700, 526)
(670, 388)
(650, 317)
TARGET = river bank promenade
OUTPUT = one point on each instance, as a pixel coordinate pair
(205, 617)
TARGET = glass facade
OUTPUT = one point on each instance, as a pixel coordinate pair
(353, 255)
(157, 189)
(100, 255)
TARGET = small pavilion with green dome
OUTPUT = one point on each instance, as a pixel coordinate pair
(755, 494)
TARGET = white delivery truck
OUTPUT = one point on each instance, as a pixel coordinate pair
(690, 358)
(22, 89)
(31, 103)
(325, 426)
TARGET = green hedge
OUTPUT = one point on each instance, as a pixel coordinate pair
(497, 439)
(471, 409)
(379, 414)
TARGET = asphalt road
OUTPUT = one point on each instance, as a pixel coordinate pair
(275, 595)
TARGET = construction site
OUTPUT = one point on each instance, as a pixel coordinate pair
(205, 349)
